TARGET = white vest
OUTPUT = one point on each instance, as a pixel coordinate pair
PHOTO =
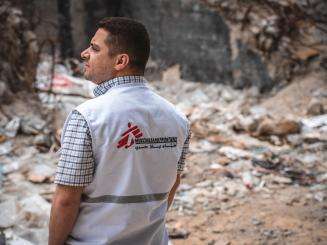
(137, 140)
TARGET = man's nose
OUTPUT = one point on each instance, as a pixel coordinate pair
(85, 54)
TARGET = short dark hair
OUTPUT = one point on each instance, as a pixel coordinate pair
(128, 36)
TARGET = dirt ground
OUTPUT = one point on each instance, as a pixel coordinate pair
(284, 216)
(240, 185)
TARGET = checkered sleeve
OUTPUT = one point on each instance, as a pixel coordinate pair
(181, 162)
(76, 165)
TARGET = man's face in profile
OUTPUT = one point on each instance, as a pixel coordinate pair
(98, 64)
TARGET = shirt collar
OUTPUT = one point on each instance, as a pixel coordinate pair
(103, 87)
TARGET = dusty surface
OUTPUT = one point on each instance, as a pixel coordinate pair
(295, 98)
(280, 217)
(249, 179)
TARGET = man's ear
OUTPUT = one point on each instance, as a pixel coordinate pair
(122, 61)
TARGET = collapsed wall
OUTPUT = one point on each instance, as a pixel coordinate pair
(260, 43)
(274, 41)
(186, 33)
(18, 51)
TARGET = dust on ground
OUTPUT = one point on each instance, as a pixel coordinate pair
(256, 172)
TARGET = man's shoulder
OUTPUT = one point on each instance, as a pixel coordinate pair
(173, 108)
(93, 103)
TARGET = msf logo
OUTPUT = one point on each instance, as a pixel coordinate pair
(128, 137)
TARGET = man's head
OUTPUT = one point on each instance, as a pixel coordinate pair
(120, 47)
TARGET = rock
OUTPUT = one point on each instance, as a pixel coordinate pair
(314, 137)
(35, 211)
(218, 139)
(281, 179)
(275, 140)
(320, 196)
(32, 125)
(315, 107)
(227, 95)
(177, 232)
(42, 140)
(3, 138)
(234, 153)
(11, 167)
(184, 187)
(267, 163)
(309, 159)
(21, 163)
(1, 175)
(306, 53)
(248, 179)
(19, 241)
(315, 122)
(204, 184)
(203, 112)
(248, 124)
(198, 96)
(281, 127)
(202, 146)
(6, 148)
(299, 176)
(3, 121)
(8, 213)
(12, 127)
(258, 111)
(322, 178)
(3, 89)
(223, 161)
(294, 139)
(2, 236)
(199, 129)
(256, 222)
(41, 173)
(269, 233)
(34, 235)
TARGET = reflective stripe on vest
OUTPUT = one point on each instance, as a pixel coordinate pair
(125, 199)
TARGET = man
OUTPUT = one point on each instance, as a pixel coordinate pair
(117, 175)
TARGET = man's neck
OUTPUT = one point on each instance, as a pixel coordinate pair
(129, 73)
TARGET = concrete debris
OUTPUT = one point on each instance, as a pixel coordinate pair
(240, 156)
(33, 125)
(41, 173)
(8, 215)
(315, 122)
(178, 233)
(19, 241)
(12, 127)
(202, 146)
(281, 127)
(315, 107)
(6, 148)
(63, 81)
(234, 153)
(34, 211)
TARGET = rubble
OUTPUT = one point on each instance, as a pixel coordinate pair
(12, 127)
(315, 107)
(6, 147)
(239, 151)
(8, 213)
(280, 128)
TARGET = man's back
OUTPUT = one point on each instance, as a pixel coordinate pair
(122, 153)
(137, 140)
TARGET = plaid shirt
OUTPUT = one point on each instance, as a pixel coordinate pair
(76, 165)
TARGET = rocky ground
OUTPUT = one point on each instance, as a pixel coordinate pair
(256, 172)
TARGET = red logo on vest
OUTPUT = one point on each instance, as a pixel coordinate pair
(128, 141)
